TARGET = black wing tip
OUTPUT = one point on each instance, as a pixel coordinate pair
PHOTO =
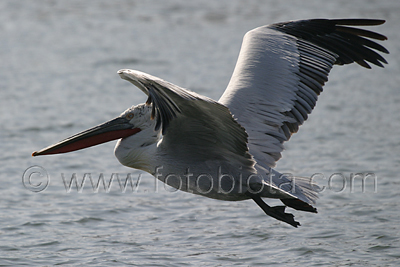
(330, 25)
(350, 44)
(342, 22)
(358, 22)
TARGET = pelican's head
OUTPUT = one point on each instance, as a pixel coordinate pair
(133, 151)
(134, 127)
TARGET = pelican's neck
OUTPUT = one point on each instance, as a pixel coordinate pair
(139, 151)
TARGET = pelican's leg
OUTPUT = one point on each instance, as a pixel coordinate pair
(277, 212)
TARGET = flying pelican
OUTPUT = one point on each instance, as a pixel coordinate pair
(226, 150)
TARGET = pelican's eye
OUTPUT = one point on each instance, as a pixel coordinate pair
(129, 116)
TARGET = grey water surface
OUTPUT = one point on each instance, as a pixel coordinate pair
(58, 76)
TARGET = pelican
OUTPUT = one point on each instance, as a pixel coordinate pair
(227, 149)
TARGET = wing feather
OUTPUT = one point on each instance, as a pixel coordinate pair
(282, 69)
(196, 124)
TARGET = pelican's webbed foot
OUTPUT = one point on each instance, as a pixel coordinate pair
(277, 212)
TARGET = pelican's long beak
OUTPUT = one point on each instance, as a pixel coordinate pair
(108, 131)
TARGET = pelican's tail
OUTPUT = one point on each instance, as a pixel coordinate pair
(305, 191)
(305, 187)
(294, 187)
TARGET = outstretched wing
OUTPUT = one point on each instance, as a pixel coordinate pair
(199, 125)
(280, 73)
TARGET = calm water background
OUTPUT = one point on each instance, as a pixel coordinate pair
(58, 77)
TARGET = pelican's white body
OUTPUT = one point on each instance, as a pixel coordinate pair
(219, 178)
(191, 166)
